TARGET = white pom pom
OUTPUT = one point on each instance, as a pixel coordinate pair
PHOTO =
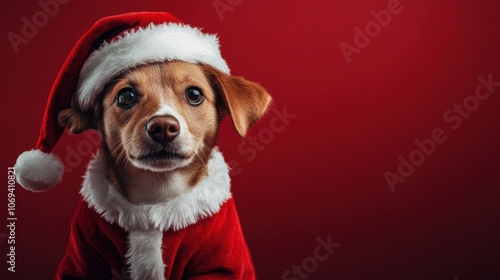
(38, 171)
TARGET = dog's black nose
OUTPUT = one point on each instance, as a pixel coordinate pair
(163, 129)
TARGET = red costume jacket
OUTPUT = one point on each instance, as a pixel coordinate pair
(195, 236)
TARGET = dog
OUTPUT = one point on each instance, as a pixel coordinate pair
(159, 123)
(156, 200)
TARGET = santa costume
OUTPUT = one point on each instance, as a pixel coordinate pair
(196, 235)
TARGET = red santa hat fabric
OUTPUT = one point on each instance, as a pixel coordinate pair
(111, 46)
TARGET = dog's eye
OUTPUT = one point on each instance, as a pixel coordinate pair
(126, 98)
(194, 96)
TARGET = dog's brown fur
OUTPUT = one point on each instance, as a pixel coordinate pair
(165, 83)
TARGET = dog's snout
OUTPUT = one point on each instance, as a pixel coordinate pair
(163, 129)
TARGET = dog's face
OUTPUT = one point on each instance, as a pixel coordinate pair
(164, 116)
(160, 116)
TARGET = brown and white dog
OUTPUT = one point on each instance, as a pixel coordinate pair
(159, 123)
(156, 200)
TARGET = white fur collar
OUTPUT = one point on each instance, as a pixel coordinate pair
(202, 201)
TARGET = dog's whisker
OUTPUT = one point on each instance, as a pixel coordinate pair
(202, 149)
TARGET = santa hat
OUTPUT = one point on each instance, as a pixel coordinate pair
(111, 46)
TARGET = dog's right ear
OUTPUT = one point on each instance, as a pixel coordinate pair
(76, 121)
(244, 100)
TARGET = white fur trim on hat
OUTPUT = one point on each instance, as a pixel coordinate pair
(38, 171)
(155, 43)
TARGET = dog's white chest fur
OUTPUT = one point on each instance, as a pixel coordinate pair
(201, 201)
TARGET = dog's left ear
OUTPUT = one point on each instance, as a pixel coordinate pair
(76, 121)
(244, 100)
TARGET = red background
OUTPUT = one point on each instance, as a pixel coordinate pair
(323, 174)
